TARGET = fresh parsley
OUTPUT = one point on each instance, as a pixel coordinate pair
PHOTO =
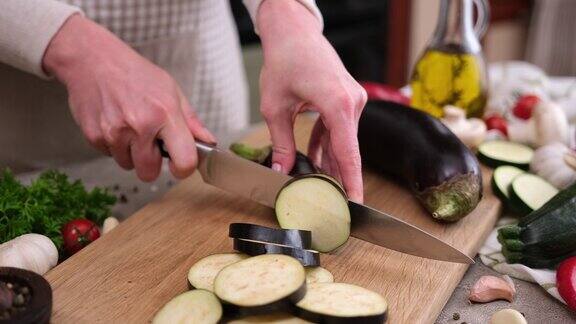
(47, 204)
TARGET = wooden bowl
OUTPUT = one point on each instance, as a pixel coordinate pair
(39, 307)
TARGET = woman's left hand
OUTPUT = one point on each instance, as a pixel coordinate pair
(302, 72)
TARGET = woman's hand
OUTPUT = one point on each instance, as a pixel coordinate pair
(303, 72)
(122, 101)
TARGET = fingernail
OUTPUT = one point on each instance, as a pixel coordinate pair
(277, 167)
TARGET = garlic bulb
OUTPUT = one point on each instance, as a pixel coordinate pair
(556, 163)
(547, 125)
(470, 131)
(32, 252)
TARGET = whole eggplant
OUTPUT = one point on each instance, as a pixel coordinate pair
(419, 151)
(302, 165)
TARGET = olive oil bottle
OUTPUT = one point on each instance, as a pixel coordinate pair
(452, 70)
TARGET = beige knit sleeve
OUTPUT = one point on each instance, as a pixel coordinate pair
(253, 5)
(26, 28)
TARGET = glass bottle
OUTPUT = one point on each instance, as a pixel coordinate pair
(452, 70)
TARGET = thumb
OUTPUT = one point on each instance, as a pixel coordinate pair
(283, 146)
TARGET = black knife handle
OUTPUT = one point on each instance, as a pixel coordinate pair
(202, 148)
(163, 151)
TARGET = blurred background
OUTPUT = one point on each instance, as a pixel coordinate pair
(380, 40)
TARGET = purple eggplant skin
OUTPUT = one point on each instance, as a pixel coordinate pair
(302, 164)
(419, 151)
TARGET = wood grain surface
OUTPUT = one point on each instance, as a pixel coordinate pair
(128, 274)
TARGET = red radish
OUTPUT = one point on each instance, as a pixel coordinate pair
(566, 281)
(78, 233)
(525, 106)
(379, 91)
(497, 122)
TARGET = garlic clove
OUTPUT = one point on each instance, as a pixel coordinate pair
(490, 288)
(109, 224)
(507, 316)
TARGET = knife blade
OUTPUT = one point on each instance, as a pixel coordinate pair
(237, 175)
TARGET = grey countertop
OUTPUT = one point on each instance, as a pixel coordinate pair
(531, 300)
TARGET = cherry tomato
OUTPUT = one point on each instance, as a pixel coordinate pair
(379, 91)
(525, 106)
(566, 281)
(497, 122)
(78, 233)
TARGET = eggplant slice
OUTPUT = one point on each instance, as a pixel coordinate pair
(261, 285)
(318, 204)
(308, 258)
(290, 237)
(318, 274)
(341, 303)
(263, 156)
(196, 306)
(278, 318)
(202, 274)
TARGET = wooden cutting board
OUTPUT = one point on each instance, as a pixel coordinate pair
(127, 275)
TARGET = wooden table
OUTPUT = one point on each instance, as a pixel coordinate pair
(128, 274)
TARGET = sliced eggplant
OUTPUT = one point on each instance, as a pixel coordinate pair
(341, 303)
(497, 153)
(318, 204)
(195, 306)
(308, 258)
(318, 274)
(419, 151)
(291, 237)
(302, 164)
(529, 192)
(201, 275)
(279, 318)
(502, 179)
(261, 285)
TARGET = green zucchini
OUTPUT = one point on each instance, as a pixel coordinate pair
(497, 153)
(546, 236)
(529, 192)
(501, 180)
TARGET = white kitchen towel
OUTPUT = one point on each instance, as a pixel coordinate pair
(492, 257)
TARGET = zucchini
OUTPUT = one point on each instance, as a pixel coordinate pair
(196, 306)
(341, 303)
(318, 274)
(529, 192)
(498, 153)
(308, 258)
(546, 236)
(201, 275)
(422, 153)
(502, 179)
(261, 285)
(318, 204)
(290, 237)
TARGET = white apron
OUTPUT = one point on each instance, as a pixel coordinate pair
(194, 40)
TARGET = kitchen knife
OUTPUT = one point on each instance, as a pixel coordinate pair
(234, 174)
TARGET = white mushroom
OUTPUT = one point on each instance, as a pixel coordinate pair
(470, 131)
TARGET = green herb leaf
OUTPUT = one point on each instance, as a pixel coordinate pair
(47, 204)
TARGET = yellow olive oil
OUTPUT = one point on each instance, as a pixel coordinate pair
(443, 78)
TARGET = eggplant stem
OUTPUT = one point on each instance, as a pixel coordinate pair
(257, 155)
(452, 199)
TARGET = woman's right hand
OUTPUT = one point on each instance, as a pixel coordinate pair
(123, 102)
